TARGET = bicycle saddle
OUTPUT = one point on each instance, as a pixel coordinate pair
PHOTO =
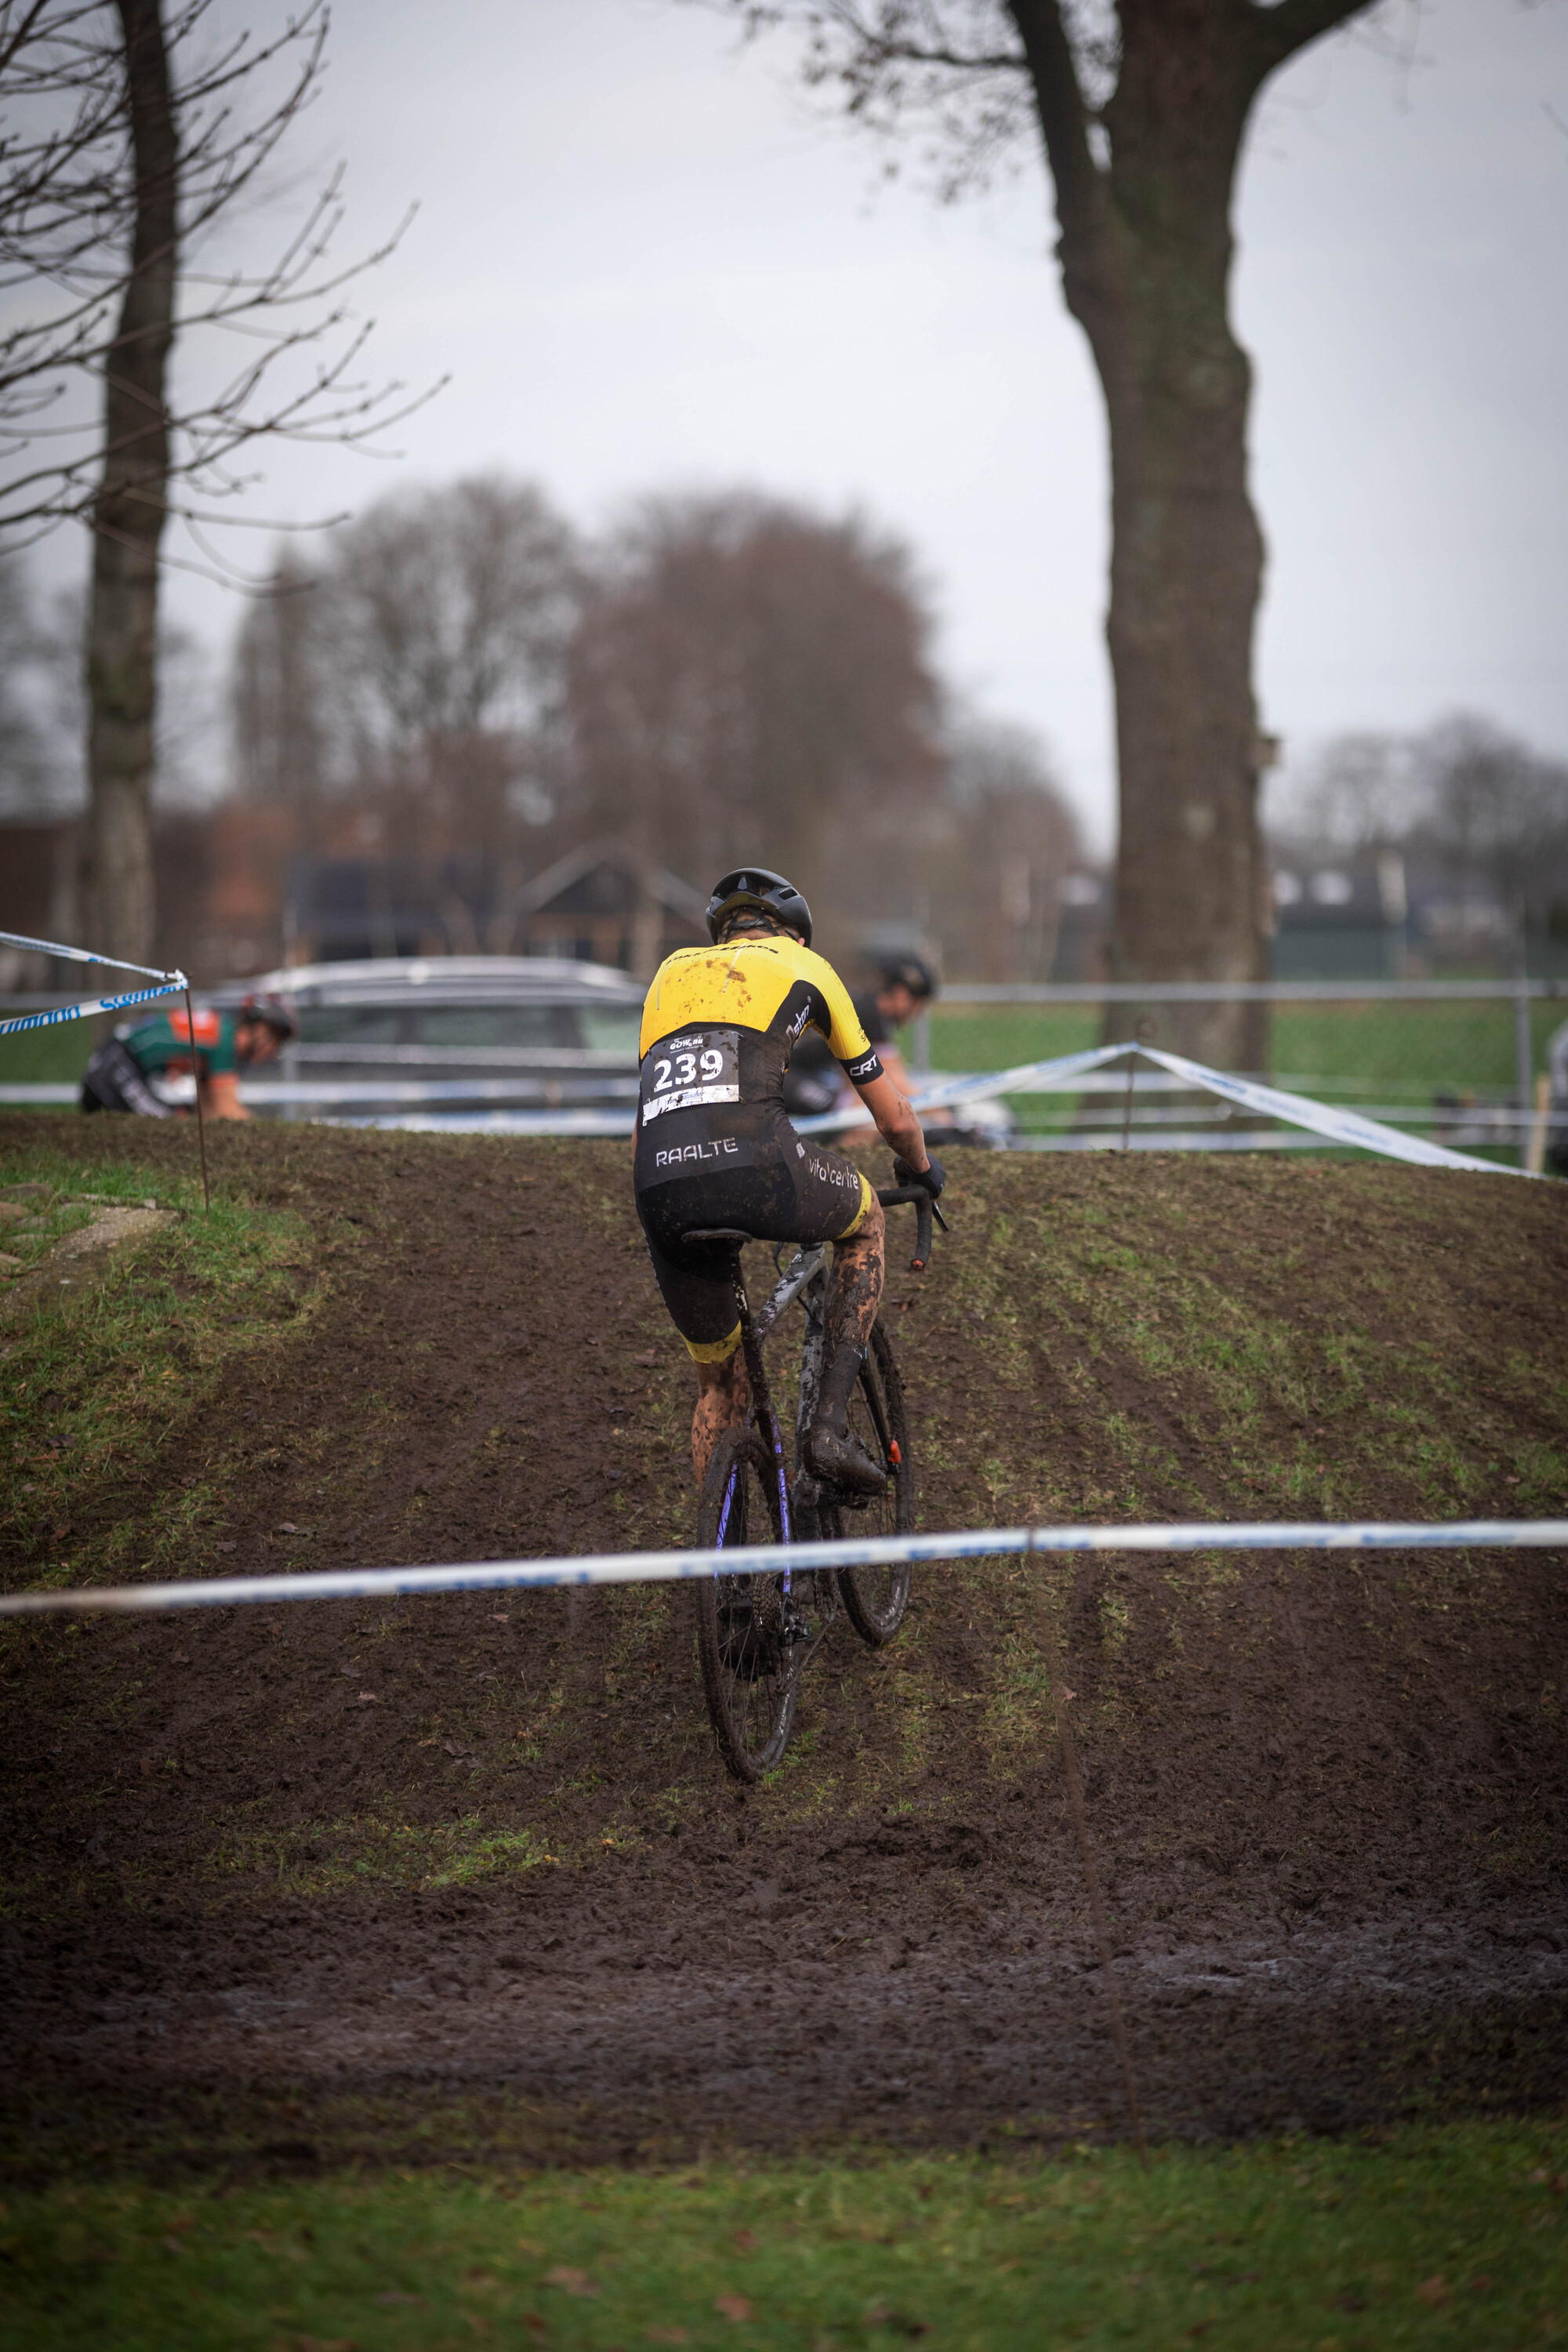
(716, 1234)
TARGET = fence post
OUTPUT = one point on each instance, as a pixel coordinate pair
(1524, 1065)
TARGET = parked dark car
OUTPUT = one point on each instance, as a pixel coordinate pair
(436, 1037)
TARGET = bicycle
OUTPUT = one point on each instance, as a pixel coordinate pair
(757, 1634)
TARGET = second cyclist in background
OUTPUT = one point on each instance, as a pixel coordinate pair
(815, 1082)
(715, 1149)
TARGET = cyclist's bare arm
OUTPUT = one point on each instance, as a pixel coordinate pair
(896, 1121)
(220, 1097)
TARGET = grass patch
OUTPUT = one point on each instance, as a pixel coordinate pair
(104, 1379)
(1367, 1054)
(321, 1858)
(56, 1056)
(1450, 2236)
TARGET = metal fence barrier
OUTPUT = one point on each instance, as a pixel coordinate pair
(1461, 1063)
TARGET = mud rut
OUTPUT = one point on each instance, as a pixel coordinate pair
(1327, 1794)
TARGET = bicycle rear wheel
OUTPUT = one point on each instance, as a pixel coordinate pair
(750, 1660)
(875, 1597)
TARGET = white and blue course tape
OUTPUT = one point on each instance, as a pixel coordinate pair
(171, 984)
(871, 1551)
(1299, 1110)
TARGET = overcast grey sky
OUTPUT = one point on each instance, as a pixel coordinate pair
(647, 263)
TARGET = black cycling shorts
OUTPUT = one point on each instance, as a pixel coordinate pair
(777, 1186)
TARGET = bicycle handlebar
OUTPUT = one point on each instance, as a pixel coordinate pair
(896, 1196)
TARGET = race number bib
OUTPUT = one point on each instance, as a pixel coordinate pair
(701, 1066)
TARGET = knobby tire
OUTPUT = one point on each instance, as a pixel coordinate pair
(749, 1671)
(875, 1599)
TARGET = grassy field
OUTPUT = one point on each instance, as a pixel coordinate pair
(39, 1056)
(91, 1380)
(1369, 1055)
(1401, 1053)
(1431, 2237)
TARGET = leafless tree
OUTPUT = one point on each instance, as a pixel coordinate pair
(1464, 799)
(1005, 846)
(416, 674)
(278, 695)
(750, 681)
(1498, 815)
(26, 775)
(1140, 109)
(128, 139)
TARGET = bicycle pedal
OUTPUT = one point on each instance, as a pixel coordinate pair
(796, 1628)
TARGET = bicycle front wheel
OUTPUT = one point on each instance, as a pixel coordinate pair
(875, 1597)
(748, 1647)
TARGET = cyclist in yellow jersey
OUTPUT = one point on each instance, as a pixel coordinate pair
(715, 1148)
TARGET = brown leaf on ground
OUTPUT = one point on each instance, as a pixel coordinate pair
(391, 2295)
(569, 2281)
(745, 2240)
(1433, 2290)
(732, 2306)
(667, 2335)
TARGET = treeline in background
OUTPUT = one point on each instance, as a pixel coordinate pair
(459, 694)
(457, 725)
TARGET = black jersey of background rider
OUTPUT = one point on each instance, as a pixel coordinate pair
(718, 1029)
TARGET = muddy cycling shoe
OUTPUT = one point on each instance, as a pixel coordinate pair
(840, 1460)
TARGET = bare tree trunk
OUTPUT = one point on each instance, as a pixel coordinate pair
(1186, 572)
(1145, 251)
(129, 515)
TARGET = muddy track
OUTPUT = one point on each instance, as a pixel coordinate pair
(279, 1862)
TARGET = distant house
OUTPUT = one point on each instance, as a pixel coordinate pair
(600, 904)
(597, 905)
(1347, 919)
(1387, 916)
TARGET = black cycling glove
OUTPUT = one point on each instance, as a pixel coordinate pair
(933, 1178)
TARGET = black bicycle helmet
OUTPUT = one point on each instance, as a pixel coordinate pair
(271, 1010)
(769, 894)
(910, 972)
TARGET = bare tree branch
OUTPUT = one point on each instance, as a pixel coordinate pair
(1277, 32)
(65, 202)
(1064, 117)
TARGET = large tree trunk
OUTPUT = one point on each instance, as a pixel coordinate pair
(129, 513)
(1186, 567)
(1146, 251)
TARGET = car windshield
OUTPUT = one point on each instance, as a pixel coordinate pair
(350, 1024)
(611, 1028)
(488, 1025)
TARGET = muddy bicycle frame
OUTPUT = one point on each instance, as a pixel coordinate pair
(800, 1280)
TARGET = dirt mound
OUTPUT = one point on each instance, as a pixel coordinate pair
(347, 1856)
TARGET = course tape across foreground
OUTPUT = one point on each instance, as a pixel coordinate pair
(874, 1551)
(171, 984)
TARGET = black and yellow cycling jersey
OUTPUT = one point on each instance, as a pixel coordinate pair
(715, 1146)
(767, 990)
